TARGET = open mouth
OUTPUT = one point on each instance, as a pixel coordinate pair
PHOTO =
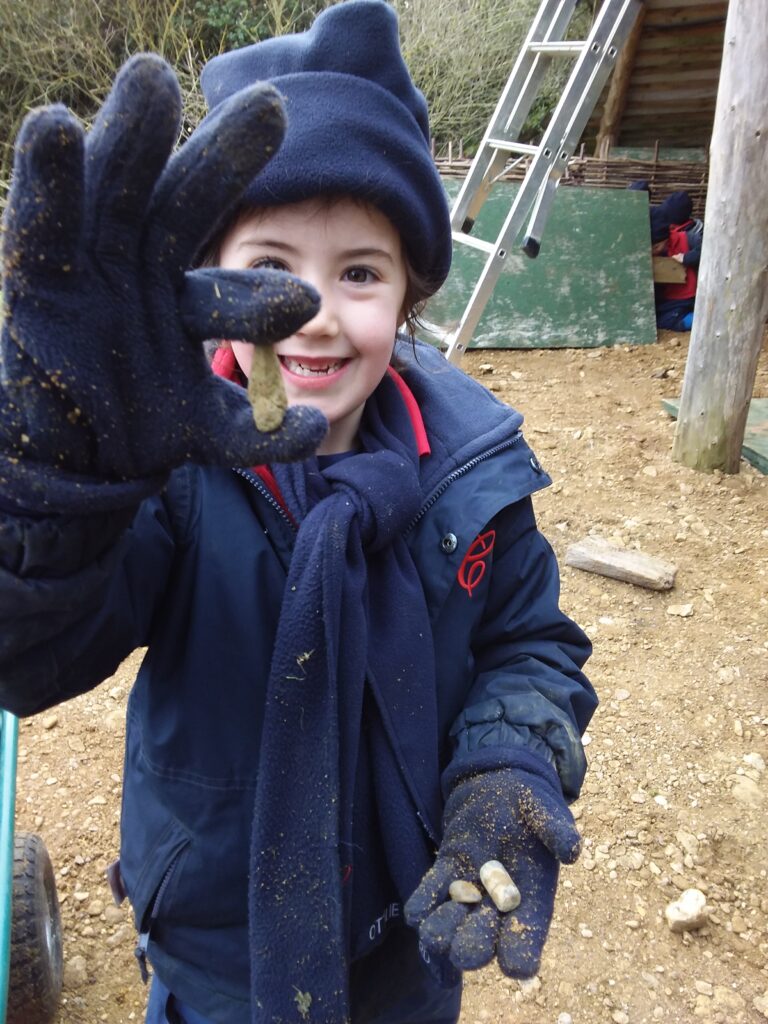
(314, 366)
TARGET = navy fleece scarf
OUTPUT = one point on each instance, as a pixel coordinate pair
(353, 614)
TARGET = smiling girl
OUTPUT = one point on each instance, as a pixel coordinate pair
(358, 685)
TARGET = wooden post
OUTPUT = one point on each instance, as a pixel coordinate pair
(732, 298)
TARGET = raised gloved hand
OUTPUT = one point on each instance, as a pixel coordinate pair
(515, 816)
(104, 385)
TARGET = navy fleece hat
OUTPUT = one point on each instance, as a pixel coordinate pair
(677, 207)
(357, 125)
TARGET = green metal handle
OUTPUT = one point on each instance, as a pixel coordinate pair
(9, 731)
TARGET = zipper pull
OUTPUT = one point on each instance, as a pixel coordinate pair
(140, 952)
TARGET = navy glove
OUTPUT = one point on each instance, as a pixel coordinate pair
(104, 385)
(514, 816)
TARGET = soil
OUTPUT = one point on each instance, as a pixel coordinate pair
(677, 792)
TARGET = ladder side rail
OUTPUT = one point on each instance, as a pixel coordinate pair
(599, 55)
(513, 225)
(618, 34)
(539, 215)
(511, 111)
(535, 181)
(517, 97)
(570, 119)
(490, 161)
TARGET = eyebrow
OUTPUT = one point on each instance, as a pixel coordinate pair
(356, 254)
(365, 252)
(264, 243)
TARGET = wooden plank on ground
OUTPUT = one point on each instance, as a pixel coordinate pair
(594, 554)
(755, 446)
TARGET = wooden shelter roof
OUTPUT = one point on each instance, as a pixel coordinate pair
(664, 87)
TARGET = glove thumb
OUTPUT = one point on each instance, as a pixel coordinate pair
(547, 815)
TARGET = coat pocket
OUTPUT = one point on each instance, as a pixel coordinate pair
(147, 887)
(154, 884)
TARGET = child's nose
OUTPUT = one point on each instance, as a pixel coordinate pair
(325, 323)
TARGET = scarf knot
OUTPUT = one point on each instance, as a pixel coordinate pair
(383, 506)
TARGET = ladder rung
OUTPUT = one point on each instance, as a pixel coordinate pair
(475, 243)
(513, 147)
(558, 49)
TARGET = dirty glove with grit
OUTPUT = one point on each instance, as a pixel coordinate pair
(515, 816)
(104, 385)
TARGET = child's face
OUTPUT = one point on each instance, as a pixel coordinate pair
(353, 256)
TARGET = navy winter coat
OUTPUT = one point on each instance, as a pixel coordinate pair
(197, 579)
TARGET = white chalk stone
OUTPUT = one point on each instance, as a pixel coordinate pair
(688, 913)
(462, 891)
(755, 761)
(499, 885)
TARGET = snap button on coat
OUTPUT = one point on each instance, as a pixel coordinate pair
(449, 543)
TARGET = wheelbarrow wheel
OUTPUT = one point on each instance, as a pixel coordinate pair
(36, 960)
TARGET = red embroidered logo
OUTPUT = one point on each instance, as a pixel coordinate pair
(473, 566)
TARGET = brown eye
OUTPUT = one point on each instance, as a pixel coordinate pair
(360, 275)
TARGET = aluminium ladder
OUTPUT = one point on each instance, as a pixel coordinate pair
(596, 57)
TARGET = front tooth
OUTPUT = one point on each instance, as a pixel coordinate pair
(311, 370)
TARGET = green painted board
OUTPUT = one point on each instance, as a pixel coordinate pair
(591, 285)
(755, 447)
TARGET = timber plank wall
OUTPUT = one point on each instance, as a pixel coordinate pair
(671, 86)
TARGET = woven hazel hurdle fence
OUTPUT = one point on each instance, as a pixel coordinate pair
(663, 176)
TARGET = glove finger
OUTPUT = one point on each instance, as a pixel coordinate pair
(207, 176)
(439, 928)
(475, 941)
(523, 932)
(260, 306)
(225, 433)
(519, 948)
(42, 221)
(127, 148)
(550, 820)
(432, 890)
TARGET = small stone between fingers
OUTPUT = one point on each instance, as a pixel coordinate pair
(462, 891)
(499, 886)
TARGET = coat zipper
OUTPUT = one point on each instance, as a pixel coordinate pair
(140, 951)
(253, 479)
(459, 472)
(264, 491)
